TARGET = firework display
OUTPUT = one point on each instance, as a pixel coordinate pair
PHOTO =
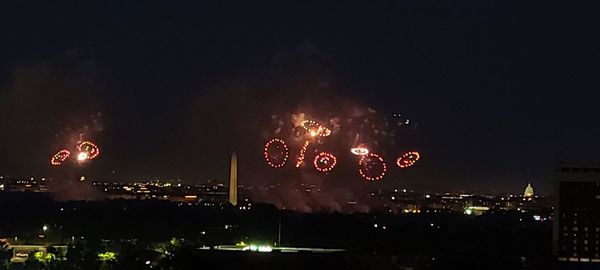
(325, 162)
(360, 150)
(357, 130)
(372, 167)
(408, 159)
(90, 150)
(60, 157)
(315, 129)
(85, 151)
(276, 153)
(300, 159)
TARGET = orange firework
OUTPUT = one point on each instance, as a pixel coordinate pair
(372, 167)
(58, 158)
(315, 129)
(300, 159)
(325, 162)
(408, 159)
(276, 153)
(87, 151)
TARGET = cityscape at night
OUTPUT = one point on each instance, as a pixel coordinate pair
(393, 134)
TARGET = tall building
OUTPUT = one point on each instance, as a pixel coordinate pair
(233, 194)
(528, 191)
(576, 232)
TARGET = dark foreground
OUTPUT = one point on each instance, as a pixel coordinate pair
(163, 235)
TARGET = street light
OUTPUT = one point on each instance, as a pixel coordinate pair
(45, 228)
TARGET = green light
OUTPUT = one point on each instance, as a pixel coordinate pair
(107, 256)
(44, 257)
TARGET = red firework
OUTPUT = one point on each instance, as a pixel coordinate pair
(58, 158)
(372, 167)
(408, 159)
(325, 162)
(276, 153)
(87, 150)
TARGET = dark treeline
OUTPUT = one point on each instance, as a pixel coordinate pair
(511, 240)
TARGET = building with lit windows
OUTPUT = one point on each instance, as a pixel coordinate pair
(576, 232)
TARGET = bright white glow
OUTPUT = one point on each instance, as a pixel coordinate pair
(265, 249)
(537, 217)
(82, 156)
(45, 228)
(360, 151)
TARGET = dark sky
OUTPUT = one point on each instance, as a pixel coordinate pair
(501, 90)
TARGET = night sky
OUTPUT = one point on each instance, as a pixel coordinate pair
(501, 91)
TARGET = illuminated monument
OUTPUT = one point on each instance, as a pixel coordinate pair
(233, 181)
(528, 191)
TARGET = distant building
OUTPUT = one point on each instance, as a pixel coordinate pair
(576, 232)
(528, 191)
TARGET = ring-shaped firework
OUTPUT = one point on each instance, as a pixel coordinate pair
(372, 167)
(360, 150)
(88, 148)
(324, 162)
(408, 159)
(58, 158)
(276, 153)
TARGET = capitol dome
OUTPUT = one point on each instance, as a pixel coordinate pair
(528, 191)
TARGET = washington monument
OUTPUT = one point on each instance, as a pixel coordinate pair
(233, 181)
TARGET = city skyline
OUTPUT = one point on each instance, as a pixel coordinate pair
(174, 100)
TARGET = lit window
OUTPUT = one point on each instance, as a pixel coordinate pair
(575, 228)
